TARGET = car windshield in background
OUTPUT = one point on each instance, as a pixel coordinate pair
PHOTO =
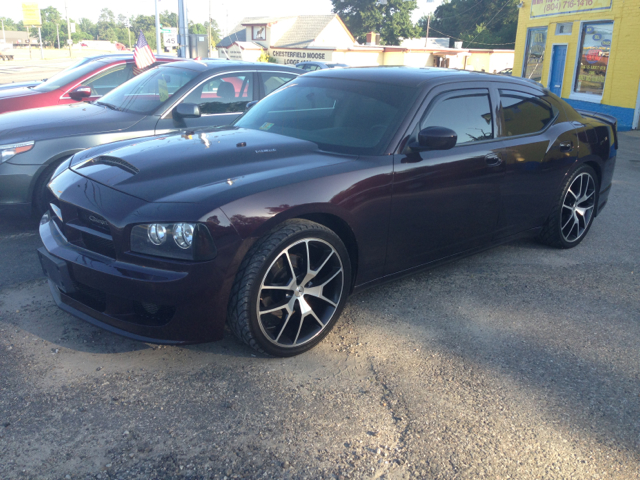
(65, 77)
(146, 92)
(343, 116)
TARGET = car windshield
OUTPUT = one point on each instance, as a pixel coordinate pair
(146, 92)
(342, 116)
(67, 76)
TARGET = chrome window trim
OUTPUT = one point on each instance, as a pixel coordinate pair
(63, 97)
(168, 110)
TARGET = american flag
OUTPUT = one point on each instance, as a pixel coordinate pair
(143, 55)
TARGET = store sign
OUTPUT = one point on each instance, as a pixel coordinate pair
(546, 8)
(291, 57)
(31, 15)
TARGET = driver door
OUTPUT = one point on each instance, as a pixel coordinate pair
(447, 201)
(103, 82)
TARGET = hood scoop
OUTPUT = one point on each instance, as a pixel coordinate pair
(111, 162)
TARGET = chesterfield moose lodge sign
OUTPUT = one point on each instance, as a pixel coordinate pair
(291, 57)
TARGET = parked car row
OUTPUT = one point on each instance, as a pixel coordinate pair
(176, 203)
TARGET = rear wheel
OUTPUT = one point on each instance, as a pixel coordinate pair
(572, 217)
(290, 289)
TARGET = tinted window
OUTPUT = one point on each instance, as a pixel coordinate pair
(524, 113)
(273, 81)
(342, 116)
(223, 94)
(467, 114)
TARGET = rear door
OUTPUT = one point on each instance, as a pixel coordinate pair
(446, 202)
(539, 144)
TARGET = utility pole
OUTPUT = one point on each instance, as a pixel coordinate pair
(29, 40)
(41, 49)
(58, 35)
(66, 9)
(157, 29)
(4, 38)
(426, 39)
(209, 41)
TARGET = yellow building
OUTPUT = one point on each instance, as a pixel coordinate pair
(584, 51)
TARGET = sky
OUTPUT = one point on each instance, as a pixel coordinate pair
(227, 13)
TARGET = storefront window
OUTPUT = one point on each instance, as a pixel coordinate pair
(534, 54)
(595, 46)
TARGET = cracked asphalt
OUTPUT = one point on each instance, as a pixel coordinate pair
(521, 362)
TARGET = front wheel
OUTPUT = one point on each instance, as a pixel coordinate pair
(290, 289)
(572, 216)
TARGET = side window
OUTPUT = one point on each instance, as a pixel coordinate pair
(111, 78)
(524, 113)
(273, 81)
(223, 94)
(466, 113)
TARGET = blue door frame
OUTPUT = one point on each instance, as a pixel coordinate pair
(556, 75)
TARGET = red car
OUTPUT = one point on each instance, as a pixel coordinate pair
(88, 81)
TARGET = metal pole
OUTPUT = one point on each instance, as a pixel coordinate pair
(157, 29)
(58, 35)
(3, 36)
(183, 29)
(129, 34)
(40, 38)
(68, 27)
(426, 39)
(209, 40)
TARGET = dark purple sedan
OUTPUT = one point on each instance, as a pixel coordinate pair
(341, 180)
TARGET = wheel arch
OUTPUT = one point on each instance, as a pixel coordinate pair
(48, 165)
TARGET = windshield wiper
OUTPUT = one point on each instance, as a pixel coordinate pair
(108, 105)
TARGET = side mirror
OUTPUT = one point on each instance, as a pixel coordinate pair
(80, 93)
(435, 138)
(250, 105)
(187, 110)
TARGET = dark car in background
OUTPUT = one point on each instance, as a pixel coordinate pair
(313, 66)
(175, 96)
(87, 80)
(339, 181)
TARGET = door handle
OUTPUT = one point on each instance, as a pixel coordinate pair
(493, 160)
(566, 146)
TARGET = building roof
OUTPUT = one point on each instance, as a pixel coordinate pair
(304, 31)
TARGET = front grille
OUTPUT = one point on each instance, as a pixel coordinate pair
(99, 245)
(153, 315)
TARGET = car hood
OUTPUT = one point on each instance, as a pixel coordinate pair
(192, 167)
(62, 121)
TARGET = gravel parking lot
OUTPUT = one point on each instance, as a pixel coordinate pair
(522, 362)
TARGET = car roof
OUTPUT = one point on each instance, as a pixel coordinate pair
(115, 57)
(214, 64)
(414, 77)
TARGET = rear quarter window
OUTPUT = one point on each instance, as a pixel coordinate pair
(524, 113)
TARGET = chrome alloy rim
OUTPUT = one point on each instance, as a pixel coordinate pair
(300, 293)
(577, 207)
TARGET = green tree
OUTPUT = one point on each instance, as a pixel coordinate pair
(478, 23)
(169, 19)
(50, 18)
(392, 21)
(10, 24)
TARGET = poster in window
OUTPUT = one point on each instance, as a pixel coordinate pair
(259, 32)
(595, 47)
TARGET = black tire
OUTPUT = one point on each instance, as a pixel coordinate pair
(574, 210)
(275, 273)
(42, 196)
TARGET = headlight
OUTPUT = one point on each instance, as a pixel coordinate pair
(182, 241)
(11, 150)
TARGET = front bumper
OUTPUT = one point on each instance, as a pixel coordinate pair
(186, 304)
(15, 183)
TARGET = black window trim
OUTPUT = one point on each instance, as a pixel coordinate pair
(436, 95)
(503, 125)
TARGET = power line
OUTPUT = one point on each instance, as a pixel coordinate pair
(492, 18)
(458, 14)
